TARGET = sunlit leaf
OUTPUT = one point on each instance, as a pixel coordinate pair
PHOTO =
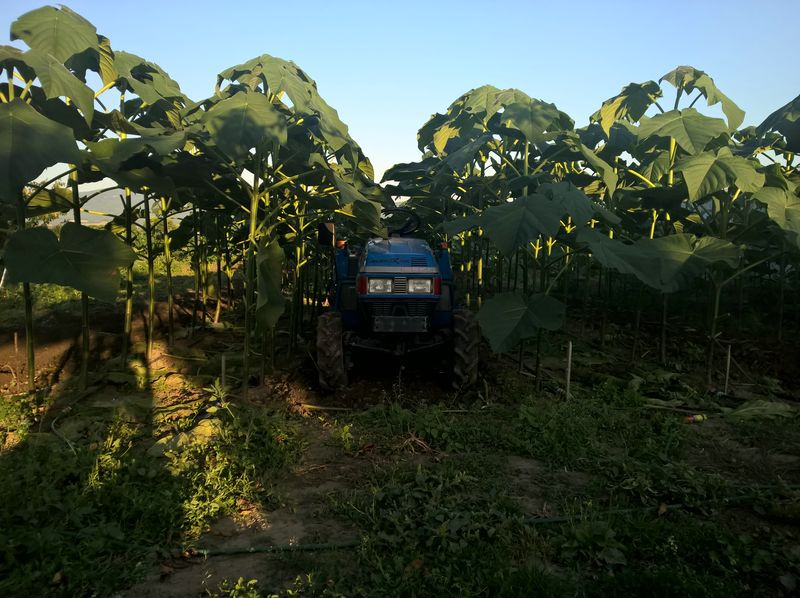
(244, 121)
(57, 81)
(536, 119)
(691, 130)
(709, 172)
(631, 103)
(59, 32)
(689, 78)
(785, 120)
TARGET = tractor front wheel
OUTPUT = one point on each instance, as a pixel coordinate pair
(330, 352)
(466, 345)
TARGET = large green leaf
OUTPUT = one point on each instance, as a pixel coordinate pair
(284, 76)
(364, 211)
(535, 119)
(60, 32)
(458, 225)
(508, 318)
(110, 154)
(689, 78)
(58, 81)
(334, 131)
(270, 303)
(630, 104)
(463, 156)
(244, 121)
(426, 131)
(442, 135)
(280, 78)
(83, 258)
(484, 100)
(573, 201)
(11, 57)
(785, 120)
(709, 172)
(603, 169)
(665, 263)
(783, 208)
(29, 143)
(691, 130)
(147, 80)
(100, 60)
(49, 201)
(512, 225)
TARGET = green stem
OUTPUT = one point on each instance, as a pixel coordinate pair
(717, 292)
(195, 267)
(218, 307)
(168, 265)
(126, 335)
(83, 378)
(151, 280)
(250, 265)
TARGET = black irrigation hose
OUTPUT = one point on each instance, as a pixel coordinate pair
(533, 521)
(208, 552)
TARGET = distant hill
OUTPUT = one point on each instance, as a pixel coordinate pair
(109, 202)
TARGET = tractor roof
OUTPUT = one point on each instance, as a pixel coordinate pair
(399, 252)
(400, 245)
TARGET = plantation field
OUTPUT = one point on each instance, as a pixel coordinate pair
(397, 485)
(632, 428)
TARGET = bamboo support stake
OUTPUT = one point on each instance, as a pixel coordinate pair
(727, 370)
(569, 366)
(16, 343)
(222, 371)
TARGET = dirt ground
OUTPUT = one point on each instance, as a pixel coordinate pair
(304, 516)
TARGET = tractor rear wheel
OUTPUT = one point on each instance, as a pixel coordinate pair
(466, 345)
(330, 352)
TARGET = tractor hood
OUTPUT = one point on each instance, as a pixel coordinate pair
(399, 254)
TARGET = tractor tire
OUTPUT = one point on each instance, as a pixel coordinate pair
(466, 345)
(330, 352)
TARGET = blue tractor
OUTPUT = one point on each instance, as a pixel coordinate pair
(395, 295)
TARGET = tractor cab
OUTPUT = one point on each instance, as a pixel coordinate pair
(394, 295)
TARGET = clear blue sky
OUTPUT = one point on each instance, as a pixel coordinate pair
(387, 66)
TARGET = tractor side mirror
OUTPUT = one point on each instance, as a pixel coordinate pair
(326, 234)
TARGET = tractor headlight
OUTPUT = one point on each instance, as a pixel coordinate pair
(420, 285)
(380, 285)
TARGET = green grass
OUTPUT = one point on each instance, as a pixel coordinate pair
(50, 298)
(441, 514)
(448, 526)
(94, 517)
(45, 298)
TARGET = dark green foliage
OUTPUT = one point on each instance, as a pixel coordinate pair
(93, 519)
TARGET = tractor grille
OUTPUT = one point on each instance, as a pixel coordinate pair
(405, 308)
(419, 262)
(400, 285)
